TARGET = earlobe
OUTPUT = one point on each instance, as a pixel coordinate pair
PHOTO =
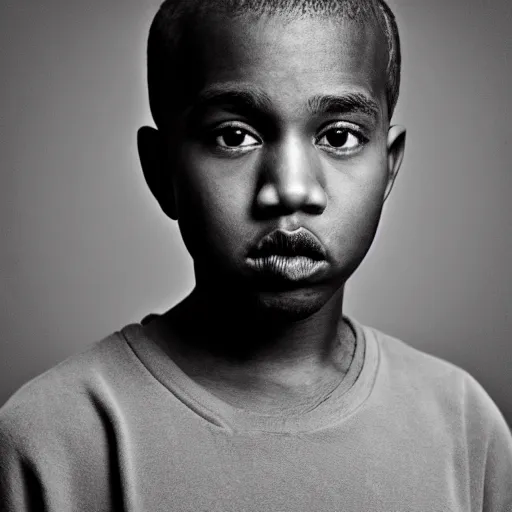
(156, 173)
(396, 149)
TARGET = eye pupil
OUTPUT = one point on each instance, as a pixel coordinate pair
(337, 137)
(233, 137)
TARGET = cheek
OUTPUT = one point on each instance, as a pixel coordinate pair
(212, 207)
(357, 195)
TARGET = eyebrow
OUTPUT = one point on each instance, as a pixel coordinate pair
(254, 101)
(248, 100)
(350, 103)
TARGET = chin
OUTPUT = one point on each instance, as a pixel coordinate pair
(292, 305)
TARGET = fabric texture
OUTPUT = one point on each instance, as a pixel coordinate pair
(121, 427)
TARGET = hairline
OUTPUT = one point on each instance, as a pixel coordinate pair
(193, 10)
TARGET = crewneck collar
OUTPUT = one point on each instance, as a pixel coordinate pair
(352, 391)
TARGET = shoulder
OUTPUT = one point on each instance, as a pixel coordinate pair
(56, 432)
(444, 408)
(63, 399)
(403, 361)
(436, 385)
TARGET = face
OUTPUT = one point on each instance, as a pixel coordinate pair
(282, 125)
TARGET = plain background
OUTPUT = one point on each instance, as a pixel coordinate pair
(84, 248)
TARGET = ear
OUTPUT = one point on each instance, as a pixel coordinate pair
(396, 148)
(156, 169)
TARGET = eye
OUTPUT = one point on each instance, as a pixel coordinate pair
(341, 140)
(234, 137)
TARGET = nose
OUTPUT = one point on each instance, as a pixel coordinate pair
(291, 180)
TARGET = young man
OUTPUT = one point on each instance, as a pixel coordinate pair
(274, 152)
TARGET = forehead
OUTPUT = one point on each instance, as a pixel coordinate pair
(290, 60)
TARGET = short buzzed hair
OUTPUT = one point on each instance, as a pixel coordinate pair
(173, 19)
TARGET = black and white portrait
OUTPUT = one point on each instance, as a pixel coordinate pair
(255, 256)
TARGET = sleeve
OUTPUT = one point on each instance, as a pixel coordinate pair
(20, 489)
(498, 471)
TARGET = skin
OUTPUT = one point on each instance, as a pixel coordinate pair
(287, 347)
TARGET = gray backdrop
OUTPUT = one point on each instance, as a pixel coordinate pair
(84, 248)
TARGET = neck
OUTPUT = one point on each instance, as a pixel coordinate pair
(236, 335)
(255, 360)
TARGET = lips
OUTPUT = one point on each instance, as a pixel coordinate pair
(289, 244)
(289, 256)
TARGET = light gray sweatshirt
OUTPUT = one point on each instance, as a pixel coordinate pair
(121, 427)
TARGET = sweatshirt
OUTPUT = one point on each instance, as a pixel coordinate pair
(120, 427)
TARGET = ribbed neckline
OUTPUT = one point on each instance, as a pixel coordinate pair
(353, 390)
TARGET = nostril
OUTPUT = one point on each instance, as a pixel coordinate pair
(312, 208)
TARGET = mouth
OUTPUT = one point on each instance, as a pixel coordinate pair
(290, 256)
(289, 268)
